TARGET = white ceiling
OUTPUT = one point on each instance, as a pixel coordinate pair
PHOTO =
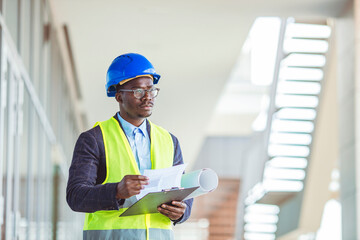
(192, 44)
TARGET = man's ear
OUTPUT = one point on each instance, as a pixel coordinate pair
(118, 97)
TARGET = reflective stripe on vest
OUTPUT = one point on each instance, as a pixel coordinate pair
(120, 161)
(128, 234)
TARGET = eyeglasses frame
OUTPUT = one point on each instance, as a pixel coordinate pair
(145, 91)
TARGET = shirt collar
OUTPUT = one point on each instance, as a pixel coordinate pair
(129, 128)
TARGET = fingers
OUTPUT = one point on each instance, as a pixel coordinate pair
(131, 185)
(173, 211)
(136, 184)
(179, 204)
(136, 181)
(136, 177)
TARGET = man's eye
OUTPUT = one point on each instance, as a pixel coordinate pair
(139, 90)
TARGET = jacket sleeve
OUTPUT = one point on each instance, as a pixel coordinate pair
(178, 159)
(83, 194)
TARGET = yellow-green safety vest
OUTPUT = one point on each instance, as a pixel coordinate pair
(120, 161)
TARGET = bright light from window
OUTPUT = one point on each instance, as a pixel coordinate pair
(262, 208)
(259, 236)
(290, 138)
(264, 228)
(283, 185)
(296, 101)
(284, 150)
(299, 87)
(330, 227)
(334, 185)
(283, 173)
(291, 73)
(287, 162)
(308, 30)
(302, 114)
(305, 60)
(260, 218)
(292, 126)
(304, 45)
(263, 39)
(307, 236)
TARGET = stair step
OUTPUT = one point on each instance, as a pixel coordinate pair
(312, 53)
(310, 67)
(301, 80)
(299, 94)
(296, 108)
(294, 119)
(294, 132)
(291, 144)
(310, 38)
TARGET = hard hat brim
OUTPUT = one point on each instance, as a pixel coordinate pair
(129, 79)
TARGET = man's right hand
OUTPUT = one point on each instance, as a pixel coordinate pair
(131, 185)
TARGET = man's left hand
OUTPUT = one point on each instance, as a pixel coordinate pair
(174, 211)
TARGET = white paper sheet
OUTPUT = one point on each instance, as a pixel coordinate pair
(164, 178)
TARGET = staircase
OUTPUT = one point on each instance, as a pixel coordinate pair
(291, 124)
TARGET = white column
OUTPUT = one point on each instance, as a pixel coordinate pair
(357, 109)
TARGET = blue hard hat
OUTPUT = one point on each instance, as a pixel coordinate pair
(127, 67)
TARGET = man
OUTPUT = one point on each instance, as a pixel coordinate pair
(105, 173)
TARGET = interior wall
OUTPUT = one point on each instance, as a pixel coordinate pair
(347, 143)
(223, 154)
(357, 97)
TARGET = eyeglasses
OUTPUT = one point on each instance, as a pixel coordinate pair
(140, 93)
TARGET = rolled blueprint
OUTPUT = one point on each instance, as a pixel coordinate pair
(205, 178)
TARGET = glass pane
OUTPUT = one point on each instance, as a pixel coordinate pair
(18, 123)
(24, 167)
(48, 191)
(37, 46)
(12, 18)
(26, 33)
(40, 204)
(35, 170)
(4, 152)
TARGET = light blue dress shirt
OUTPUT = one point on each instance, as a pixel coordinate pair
(139, 140)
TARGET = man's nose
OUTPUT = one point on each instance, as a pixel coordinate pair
(147, 95)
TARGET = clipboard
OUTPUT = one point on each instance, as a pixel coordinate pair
(150, 202)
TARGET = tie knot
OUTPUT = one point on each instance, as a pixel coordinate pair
(137, 131)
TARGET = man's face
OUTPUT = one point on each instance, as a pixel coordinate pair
(131, 108)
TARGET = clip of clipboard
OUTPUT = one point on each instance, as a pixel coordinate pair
(150, 202)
